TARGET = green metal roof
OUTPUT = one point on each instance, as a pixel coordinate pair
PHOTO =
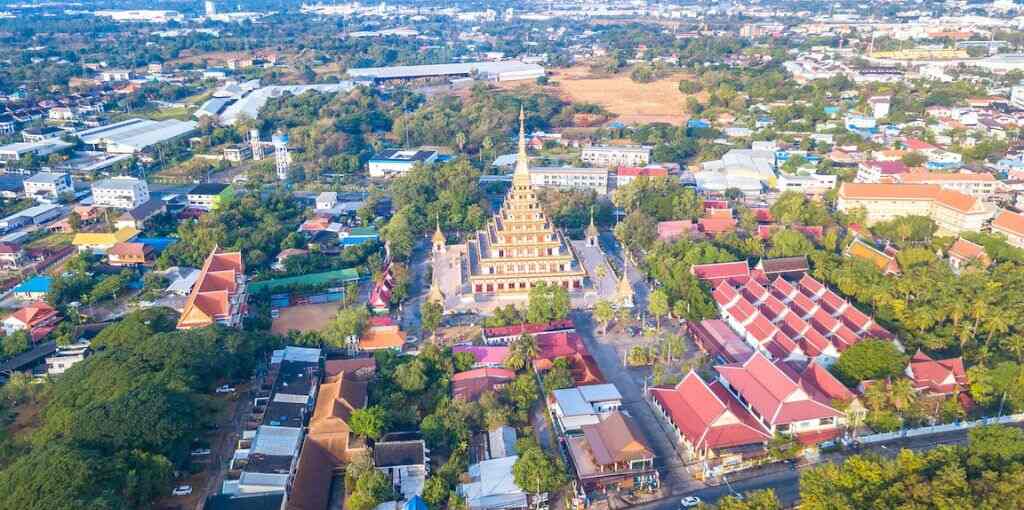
(306, 280)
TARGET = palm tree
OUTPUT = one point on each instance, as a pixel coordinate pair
(460, 140)
(997, 323)
(902, 395)
(1015, 344)
(522, 350)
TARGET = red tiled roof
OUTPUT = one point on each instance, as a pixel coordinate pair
(761, 328)
(762, 214)
(855, 319)
(210, 298)
(775, 396)
(773, 308)
(844, 337)
(551, 346)
(529, 329)
(469, 385)
(810, 286)
(34, 313)
(824, 322)
(633, 171)
(717, 225)
(887, 167)
(736, 272)
(485, 354)
(741, 310)
(754, 292)
(782, 289)
(803, 305)
(707, 415)
(918, 145)
(966, 251)
(942, 377)
(781, 346)
(724, 294)
(718, 339)
(669, 230)
(1008, 221)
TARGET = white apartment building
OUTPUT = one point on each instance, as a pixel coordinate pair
(571, 178)
(981, 185)
(120, 192)
(610, 156)
(48, 184)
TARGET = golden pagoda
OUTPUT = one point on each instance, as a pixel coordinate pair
(439, 240)
(624, 292)
(592, 232)
(519, 247)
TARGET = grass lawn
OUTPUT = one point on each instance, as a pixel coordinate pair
(54, 240)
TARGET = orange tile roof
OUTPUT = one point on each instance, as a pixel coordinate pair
(33, 313)
(934, 192)
(211, 295)
(1008, 221)
(376, 338)
(967, 250)
(862, 250)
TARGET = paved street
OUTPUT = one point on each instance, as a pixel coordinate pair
(675, 479)
(418, 288)
(785, 480)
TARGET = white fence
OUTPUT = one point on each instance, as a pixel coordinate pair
(938, 429)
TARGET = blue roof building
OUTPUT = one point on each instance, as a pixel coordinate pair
(416, 503)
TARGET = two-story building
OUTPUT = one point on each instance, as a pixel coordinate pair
(611, 156)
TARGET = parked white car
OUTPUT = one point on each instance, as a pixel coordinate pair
(200, 451)
(689, 502)
(226, 389)
(182, 490)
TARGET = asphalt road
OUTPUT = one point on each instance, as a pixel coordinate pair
(785, 480)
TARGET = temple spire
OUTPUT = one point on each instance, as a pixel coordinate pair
(522, 174)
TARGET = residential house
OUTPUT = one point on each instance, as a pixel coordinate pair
(326, 201)
(571, 408)
(37, 319)
(964, 254)
(137, 217)
(219, 294)
(876, 171)
(940, 379)
(130, 254)
(612, 456)
(711, 425)
(405, 464)
(100, 242)
(12, 256)
(1011, 225)
(779, 403)
(471, 384)
(67, 356)
(491, 486)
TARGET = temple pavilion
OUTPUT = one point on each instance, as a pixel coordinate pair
(519, 247)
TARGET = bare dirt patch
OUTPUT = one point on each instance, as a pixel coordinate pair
(304, 317)
(632, 102)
